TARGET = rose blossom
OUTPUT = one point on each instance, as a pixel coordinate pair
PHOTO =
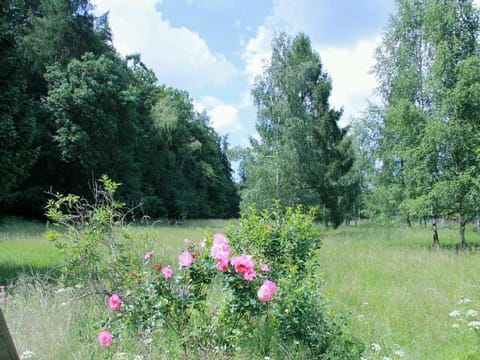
(267, 290)
(243, 264)
(222, 265)
(185, 259)
(167, 272)
(114, 302)
(148, 255)
(264, 267)
(250, 275)
(105, 338)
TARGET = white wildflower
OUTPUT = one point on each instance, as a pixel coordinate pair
(399, 353)
(375, 347)
(455, 326)
(472, 313)
(464, 301)
(455, 313)
(474, 324)
(387, 358)
(27, 355)
(148, 341)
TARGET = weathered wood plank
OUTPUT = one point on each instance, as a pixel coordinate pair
(7, 348)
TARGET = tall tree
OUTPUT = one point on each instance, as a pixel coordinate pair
(426, 69)
(303, 156)
(17, 123)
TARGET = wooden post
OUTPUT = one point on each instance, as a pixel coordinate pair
(7, 348)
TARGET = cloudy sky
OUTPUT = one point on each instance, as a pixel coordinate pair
(214, 49)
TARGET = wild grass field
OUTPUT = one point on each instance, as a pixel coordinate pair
(403, 299)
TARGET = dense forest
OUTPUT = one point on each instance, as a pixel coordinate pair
(73, 109)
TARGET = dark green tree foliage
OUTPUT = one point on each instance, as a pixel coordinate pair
(95, 113)
(303, 157)
(17, 123)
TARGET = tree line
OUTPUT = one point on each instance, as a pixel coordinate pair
(419, 145)
(73, 109)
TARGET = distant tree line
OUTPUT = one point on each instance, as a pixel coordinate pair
(419, 146)
(72, 109)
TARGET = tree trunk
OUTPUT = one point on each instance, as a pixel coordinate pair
(436, 242)
(463, 222)
(7, 348)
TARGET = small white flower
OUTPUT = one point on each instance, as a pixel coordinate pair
(474, 324)
(399, 353)
(27, 355)
(472, 313)
(267, 358)
(148, 341)
(296, 342)
(455, 326)
(455, 313)
(464, 301)
(387, 358)
(375, 347)
(138, 357)
(79, 286)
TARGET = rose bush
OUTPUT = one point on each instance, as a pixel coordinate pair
(177, 301)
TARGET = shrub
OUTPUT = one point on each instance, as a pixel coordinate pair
(91, 237)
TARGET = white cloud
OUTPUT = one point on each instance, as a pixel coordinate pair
(349, 69)
(179, 56)
(223, 117)
(257, 52)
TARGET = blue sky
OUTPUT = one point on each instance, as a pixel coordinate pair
(214, 49)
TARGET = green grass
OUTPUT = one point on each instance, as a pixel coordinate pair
(24, 250)
(400, 291)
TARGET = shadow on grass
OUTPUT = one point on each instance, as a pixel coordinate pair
(9, 273)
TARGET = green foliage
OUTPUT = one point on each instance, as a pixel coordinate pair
(286, 237)
(289, 239)
(304, 319)
(95, 248)
(17, 123)
(423, 162)
(303, 155)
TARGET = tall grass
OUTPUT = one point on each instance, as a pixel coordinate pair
(400, 291)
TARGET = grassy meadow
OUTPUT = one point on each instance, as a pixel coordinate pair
(402, 299)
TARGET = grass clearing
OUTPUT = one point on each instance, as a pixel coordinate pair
(399, 292)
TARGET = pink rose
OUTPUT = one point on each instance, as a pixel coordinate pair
(185, 259)
(220, 252)
(222, 265)
(114, 302)
(220, 239)
(148, 255)
(243, 264)
(264, 267)
(267, 290)
(167, 272)
(105, 338)
(250, 275)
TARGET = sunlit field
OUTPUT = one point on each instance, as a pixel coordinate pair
(403, 299)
